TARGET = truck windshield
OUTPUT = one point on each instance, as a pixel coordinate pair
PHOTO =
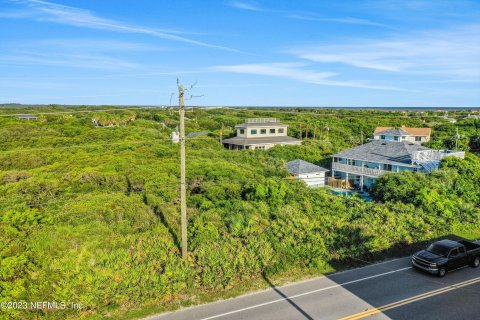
(438, 249)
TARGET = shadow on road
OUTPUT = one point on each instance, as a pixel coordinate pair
(293, 304)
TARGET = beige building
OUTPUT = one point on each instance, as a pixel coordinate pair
(415, 135)
(260, 133)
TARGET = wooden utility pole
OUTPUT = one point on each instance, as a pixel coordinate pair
(221, 133)
(183, 187)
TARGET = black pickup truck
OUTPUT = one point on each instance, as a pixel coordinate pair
(447, 255)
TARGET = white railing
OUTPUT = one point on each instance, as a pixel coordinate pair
(358, 170)
(261, 120)
(435, 155)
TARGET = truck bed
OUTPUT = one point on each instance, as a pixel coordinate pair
(471, 246)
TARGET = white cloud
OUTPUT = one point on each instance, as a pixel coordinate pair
(87, 45)
(53, 12)
(243, 6)
(305, 16)
(453, 53)
(345, 20)
(296, 71)
(81, 60)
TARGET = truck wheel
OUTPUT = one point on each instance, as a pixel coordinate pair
(476, 262)
(442, 272)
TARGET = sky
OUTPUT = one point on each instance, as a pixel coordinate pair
(405, 53)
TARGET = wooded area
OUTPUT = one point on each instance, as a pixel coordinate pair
(90, 213)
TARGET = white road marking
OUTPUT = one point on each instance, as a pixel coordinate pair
(303, 294)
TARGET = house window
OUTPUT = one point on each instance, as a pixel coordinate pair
(403, 138)
(263, 131)
(382, 137)
(395, 138)
(280, 130)
(253, 131)
(272, 130)
(242, 131)
(418, 139)
(387, 167)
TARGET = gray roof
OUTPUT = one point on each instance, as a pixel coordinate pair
(394, 132)
(299, 166)
(255, 141)
(379, 151)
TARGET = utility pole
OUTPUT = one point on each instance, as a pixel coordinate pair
(183, 187)
(457, 136)
(221, 133)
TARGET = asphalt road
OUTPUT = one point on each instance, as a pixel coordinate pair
(388, 290)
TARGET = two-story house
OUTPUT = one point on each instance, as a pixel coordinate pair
(361, 165)
(260, 133)
(415, 135)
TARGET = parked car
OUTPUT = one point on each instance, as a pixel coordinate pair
(447, 255)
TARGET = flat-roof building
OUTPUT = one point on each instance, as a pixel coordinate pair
(260, 133)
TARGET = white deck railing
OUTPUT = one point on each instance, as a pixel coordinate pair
(358, 170)
(435, 155)
(261, 120)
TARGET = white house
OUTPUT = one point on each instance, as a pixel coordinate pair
(312, 175)
(415, 135)
(262, 133)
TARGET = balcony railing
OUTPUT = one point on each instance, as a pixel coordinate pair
(261, 120)
(358, 170)
(435, 155)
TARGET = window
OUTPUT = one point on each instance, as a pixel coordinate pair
(418, 138)
(263, 131)
(395, 138)
(242, 131)
(387, 167)
(461, 250)
(280, 130)
(382, 137)
(403, 138)
(253, 131)
(454, 252)
(272, 130)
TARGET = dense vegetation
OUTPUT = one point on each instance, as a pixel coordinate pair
(90, 214)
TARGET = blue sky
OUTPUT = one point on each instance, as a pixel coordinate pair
(409, 53)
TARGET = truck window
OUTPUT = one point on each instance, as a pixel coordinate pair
(454, 252)
(461, 250)
(437, 249)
